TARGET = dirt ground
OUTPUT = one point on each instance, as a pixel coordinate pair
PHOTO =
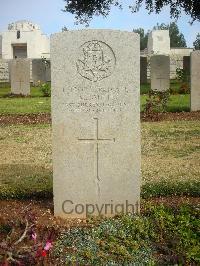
(46, 118)
(43, 211)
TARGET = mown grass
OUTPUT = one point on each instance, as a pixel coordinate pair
(38, 104)
(177, 103)
(24, 105)
(170, 160)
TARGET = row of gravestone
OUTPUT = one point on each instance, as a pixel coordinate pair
(95, 79)
(145, 68)
(160, 75)
(159, 65)
(36, 71)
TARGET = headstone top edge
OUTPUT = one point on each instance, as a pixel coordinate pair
(94, 31)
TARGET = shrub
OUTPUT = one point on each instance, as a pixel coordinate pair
(183, 78)
(46, 89)
(157, 102)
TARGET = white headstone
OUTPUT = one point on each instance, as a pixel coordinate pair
(96, 122)
(160, 72)
(20, 76)
(159, 42)
(195, 81)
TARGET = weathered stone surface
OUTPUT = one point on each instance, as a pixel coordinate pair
(159, 42)
(41, 71)
(4, 70)
(20, 76)
(96, 122)
(143, 70)
(195, 81)
(160, 72)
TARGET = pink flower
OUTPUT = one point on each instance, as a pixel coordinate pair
(48, 245)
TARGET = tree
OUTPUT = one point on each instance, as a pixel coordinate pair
(177, 39)
(84, 10)
(64, 29)
(196, 43)
(143, 37)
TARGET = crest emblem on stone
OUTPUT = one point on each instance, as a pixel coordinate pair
(96, 61)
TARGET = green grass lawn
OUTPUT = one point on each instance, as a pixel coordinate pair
(170, 159)
(177, 103)
(174, 86)
(38, 104)
(27, 105)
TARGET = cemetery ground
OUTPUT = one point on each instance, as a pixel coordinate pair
(36, 103)
(165, 233)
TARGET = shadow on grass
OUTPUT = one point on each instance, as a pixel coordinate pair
(24, 181)
(35, 182)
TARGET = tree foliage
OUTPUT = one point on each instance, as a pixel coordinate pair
(143, 37)
(84, 10)
(177, 39)
(196, 43)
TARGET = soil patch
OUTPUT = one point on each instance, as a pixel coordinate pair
(46, 118)
(43, 210)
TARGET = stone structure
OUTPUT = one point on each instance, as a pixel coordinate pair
(41, 71)
(160, 72)
(159, 42)
(176, 59)
(4, 70)
(143, 70)
(96, 122)
(24, 39)
(20, 76)
(195, 81)
(186, 64)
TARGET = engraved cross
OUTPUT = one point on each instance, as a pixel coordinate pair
(97, 140)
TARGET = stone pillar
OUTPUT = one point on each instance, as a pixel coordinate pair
(195, 81)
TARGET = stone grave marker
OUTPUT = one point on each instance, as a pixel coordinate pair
(20, 76)
(160, 72)
(186, 64)
(41, 71)
(4, 70)
(195, 81)
(96, 122)
(143, 70)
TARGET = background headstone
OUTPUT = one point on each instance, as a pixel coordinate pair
(143, 70)
(195, 81)
(41, 71)
(20, 76)
(4, 70)
(159, 42)
(96, 121)
(186, 64)
(160, 72)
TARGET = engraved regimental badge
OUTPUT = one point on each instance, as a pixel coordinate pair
(96, 61)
